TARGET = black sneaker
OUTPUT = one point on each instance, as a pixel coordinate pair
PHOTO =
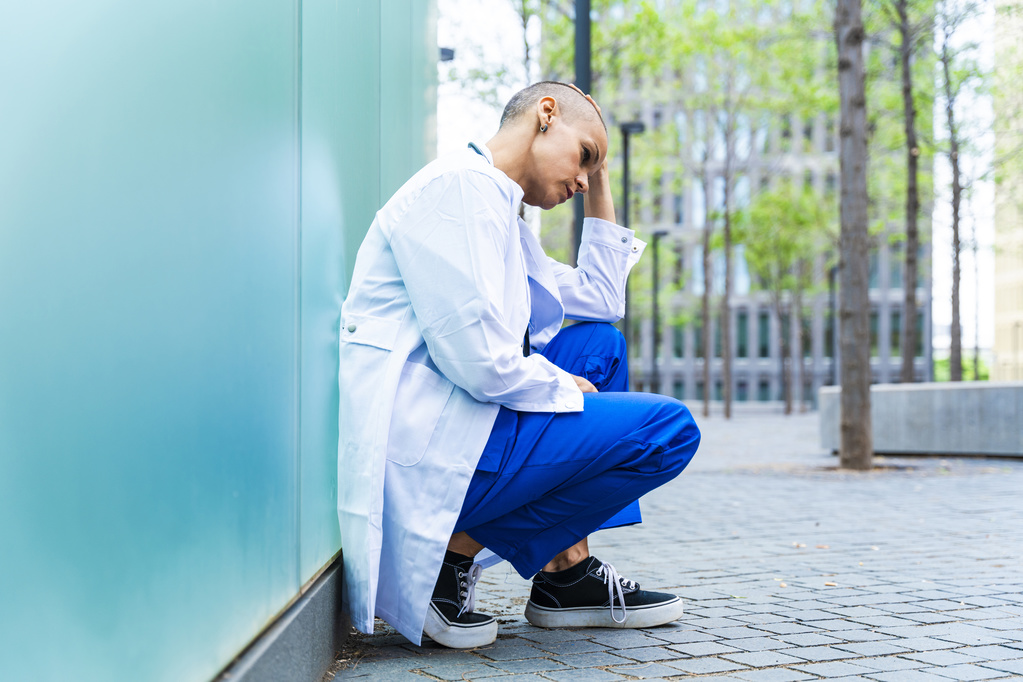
(450, 619)
(591, 594)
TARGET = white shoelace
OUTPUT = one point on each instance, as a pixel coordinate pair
(468, 588)
(614, 583)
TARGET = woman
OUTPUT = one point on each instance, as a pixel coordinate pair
(468, 418)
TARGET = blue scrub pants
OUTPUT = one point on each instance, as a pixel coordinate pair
(547, 480)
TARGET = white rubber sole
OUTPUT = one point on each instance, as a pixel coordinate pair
(600, 617)
(456, 635)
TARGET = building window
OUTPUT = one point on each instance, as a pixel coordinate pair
(896, 334)
(874, 321)
(742, 332)
(679, 212)
(830, 134)
(919, 335)
(679, 390)
(678, 345)
(875, 270)
(763, 335)
(895, 271)
(786, 133)
(717, 341)
(718, 390)
(806, 337)
(763, 390)
(680, 264)
(699, 390)
(698, 339)
(741, 391)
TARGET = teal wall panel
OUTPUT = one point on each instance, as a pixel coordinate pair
(183, 186)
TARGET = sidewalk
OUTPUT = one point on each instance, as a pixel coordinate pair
(791, 570)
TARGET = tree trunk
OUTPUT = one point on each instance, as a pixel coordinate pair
(708, 283)
(856, 448)
(726, 302)
(912, 197)
(786, 361)
(956, 354)
(797, 302)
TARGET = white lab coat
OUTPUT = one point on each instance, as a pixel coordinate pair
(431, 334)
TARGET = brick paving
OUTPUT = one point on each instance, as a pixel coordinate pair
(790, 568)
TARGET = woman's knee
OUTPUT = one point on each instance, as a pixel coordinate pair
(684, 436)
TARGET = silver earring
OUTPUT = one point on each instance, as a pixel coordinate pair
(543, 128)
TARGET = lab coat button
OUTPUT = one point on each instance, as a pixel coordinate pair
(570, 404)
(625, 240)
(352, 328)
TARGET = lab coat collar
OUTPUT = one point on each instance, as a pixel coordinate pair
(483, 150)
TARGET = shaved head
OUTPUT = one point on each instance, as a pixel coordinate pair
(572, 104)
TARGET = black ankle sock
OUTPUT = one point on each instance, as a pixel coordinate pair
(570, 574)
(456, 558)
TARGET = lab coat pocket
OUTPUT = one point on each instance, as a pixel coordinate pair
(422, 395)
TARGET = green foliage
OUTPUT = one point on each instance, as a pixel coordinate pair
(942, 370)
(783, 232)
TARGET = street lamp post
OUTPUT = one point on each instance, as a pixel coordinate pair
(582, 81)
(655, 370)
(627, 129)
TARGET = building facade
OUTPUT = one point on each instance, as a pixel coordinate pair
(1008, 105)
(780, 148)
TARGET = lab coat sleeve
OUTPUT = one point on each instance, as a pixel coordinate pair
(595, 290)
(452, 250)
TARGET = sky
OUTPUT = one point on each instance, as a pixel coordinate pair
(489, 32)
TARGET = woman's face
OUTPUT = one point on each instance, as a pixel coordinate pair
(562, 160)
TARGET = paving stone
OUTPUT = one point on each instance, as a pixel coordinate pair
(836, 624)
(788, 628)
(530, 665)
(462, 671)
(595, 659)
(704, 649)
(504, 678)
(923, 644)
(645, 671)
(968, 672)
(871, 648)
(649, 654)
(773, 675)
(1015, 667)
(889, 663)
(993, 652)
(809, 639)
(819, 653)
(736, 633)
(907, 676)
(762, 659)
(510, 652)
(758, 644)
(624, 639)
(574, 646)
(560, 635)
(860, 636)
(941, 657)
(397, 675)
(705, 666)
(685, 636)
(832, 669)
(584, 675)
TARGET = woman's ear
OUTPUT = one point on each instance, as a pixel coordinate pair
(546, 111)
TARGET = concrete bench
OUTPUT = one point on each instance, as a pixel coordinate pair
(962, 418)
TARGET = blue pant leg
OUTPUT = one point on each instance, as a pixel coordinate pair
(596, 351)
(574, 471)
